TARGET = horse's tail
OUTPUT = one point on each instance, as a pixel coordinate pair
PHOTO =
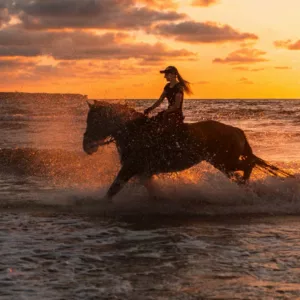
(270, 169)
(262, 164)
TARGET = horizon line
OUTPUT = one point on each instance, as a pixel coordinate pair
(94, 98)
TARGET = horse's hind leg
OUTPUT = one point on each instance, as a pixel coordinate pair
(247, 171)
(126, 172)
(232, 175)
(246, 167)
(239, 179)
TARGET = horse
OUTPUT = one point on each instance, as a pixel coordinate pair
(146, 148)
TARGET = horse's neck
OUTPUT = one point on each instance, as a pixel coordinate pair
(129, 127)
(128, 122)
(124, 115)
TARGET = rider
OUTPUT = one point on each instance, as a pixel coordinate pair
(173, 91)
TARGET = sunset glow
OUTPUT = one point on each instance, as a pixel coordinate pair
(115, 48)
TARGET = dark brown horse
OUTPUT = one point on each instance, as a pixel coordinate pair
(147, 147)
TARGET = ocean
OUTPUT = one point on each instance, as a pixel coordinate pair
(206, 239)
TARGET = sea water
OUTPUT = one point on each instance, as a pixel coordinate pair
(206, 239)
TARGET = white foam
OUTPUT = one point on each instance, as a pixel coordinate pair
(212, 195)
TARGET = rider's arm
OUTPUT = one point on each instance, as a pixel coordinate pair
(157, 103)
(177, 103)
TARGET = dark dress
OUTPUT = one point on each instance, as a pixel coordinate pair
(175, 118)
(168, 129)
(171, 92)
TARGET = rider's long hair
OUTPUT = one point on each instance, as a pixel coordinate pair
(186, 85)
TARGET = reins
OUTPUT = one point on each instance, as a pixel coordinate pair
(109, 141)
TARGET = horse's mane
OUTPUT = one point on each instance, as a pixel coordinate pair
(124, 111)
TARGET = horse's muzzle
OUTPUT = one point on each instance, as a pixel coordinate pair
(90, 146)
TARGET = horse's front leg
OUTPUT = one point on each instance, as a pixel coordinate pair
(127, 171)
(147, 182)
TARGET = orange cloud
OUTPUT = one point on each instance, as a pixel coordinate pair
(257, 69)
(242, 56)
(248, 69)
(245, 80)
(198, 32)
(204, 3)
(4, 15)
(12, 64)
(282, 68)
(19, 72)
(288, 44)
(161, 4)
(79, 45)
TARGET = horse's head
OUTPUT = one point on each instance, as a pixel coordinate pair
(101, 123)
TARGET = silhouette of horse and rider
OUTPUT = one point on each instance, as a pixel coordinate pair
(164, 143)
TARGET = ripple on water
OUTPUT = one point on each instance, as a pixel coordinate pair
(64, 257)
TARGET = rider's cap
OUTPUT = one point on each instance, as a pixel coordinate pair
(170, 69)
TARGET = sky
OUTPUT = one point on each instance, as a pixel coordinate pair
(114, 49)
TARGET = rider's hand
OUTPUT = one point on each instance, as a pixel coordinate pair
(147, 111)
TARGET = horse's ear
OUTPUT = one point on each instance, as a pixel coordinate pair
(89, 104)
(96, 102)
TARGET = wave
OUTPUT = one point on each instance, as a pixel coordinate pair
(195, 193)
(215, 199)
(60, 166)
(37, 118)
(214, 195)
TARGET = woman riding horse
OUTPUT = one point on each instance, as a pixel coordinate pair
(174, 92)
(223, 146)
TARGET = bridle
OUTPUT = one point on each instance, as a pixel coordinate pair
(106, 142)
(109, 141)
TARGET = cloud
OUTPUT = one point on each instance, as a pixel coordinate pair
(242, 56)
(241, 69)
(288, 44)
(161, 4)
(198, 32)
(257, 69)
(11, 64)
(113, 50)
(4, 15)
(248, 69)
(18, 71)
(245, 80)
(82, 71)
(104, 14)
(78, 45)
(204, 3)
(282, 68)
